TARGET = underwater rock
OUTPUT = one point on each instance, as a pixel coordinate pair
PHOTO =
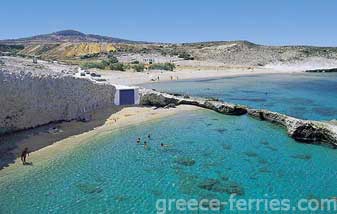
(210, 165)
(271, 148)
(234, 188)
(221, 131)
(227, 147)
(215, 185)
(224, 177)
(208, 184)
(120, 198)
(264, 170)
(185, 161)
(89, 188)
(302, 156)
(262, 161)
(156, 193)
(250, 154)
(264, 142)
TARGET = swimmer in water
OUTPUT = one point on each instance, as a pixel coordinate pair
(138, 140)
(145, 144)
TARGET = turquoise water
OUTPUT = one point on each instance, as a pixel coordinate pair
(115, 175)
(305, 95)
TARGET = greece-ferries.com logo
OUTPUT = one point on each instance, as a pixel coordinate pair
(171, 205)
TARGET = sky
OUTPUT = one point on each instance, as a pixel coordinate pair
(269, 22)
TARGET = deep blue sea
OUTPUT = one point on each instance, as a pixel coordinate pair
(303, 95)
(209, 156)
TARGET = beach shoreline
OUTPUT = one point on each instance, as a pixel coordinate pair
(76, 133)
(140, 78)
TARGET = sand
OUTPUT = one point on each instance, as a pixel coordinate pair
(48, 145)
(137, 78)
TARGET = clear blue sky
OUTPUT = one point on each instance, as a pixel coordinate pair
(311, 22)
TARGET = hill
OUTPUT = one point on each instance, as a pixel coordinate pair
(76, 48)
(72, 36)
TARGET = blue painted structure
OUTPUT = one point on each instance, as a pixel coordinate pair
(127, 97)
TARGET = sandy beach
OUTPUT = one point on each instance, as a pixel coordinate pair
(137, 78)
(56, 136)
(53, 140)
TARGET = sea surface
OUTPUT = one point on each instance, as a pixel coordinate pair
(303, 95)
(209, 156)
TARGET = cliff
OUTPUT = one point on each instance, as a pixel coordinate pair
(40, 95)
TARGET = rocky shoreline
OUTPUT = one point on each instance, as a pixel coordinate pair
(158, 99)
(328, 70)
(307, 131)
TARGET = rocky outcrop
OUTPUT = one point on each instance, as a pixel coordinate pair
(154, 98)
(301, 130)
(327, 70)
(29, 99)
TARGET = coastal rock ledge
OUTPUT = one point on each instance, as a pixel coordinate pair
(159, 99)
(308, 131)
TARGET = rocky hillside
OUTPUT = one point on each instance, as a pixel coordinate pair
(246, 53)
(76, 47)
(66, 50)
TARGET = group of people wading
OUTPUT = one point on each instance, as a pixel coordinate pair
(145, 142)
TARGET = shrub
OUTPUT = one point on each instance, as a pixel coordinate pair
(112, 59)
(105, 64)
(88, 56)
(138, 67)
(135, 62)
(117, 66)
(186, 56)
(88, 65)
(163, 66)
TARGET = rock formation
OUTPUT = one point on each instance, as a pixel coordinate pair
(328, 70)
(301, 130)
(154, 98)
(29, 99)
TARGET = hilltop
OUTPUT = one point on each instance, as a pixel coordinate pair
(72, 36)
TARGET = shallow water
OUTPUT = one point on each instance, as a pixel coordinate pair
(304, 95)
(115, 175)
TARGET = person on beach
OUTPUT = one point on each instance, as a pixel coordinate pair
(24, 154)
